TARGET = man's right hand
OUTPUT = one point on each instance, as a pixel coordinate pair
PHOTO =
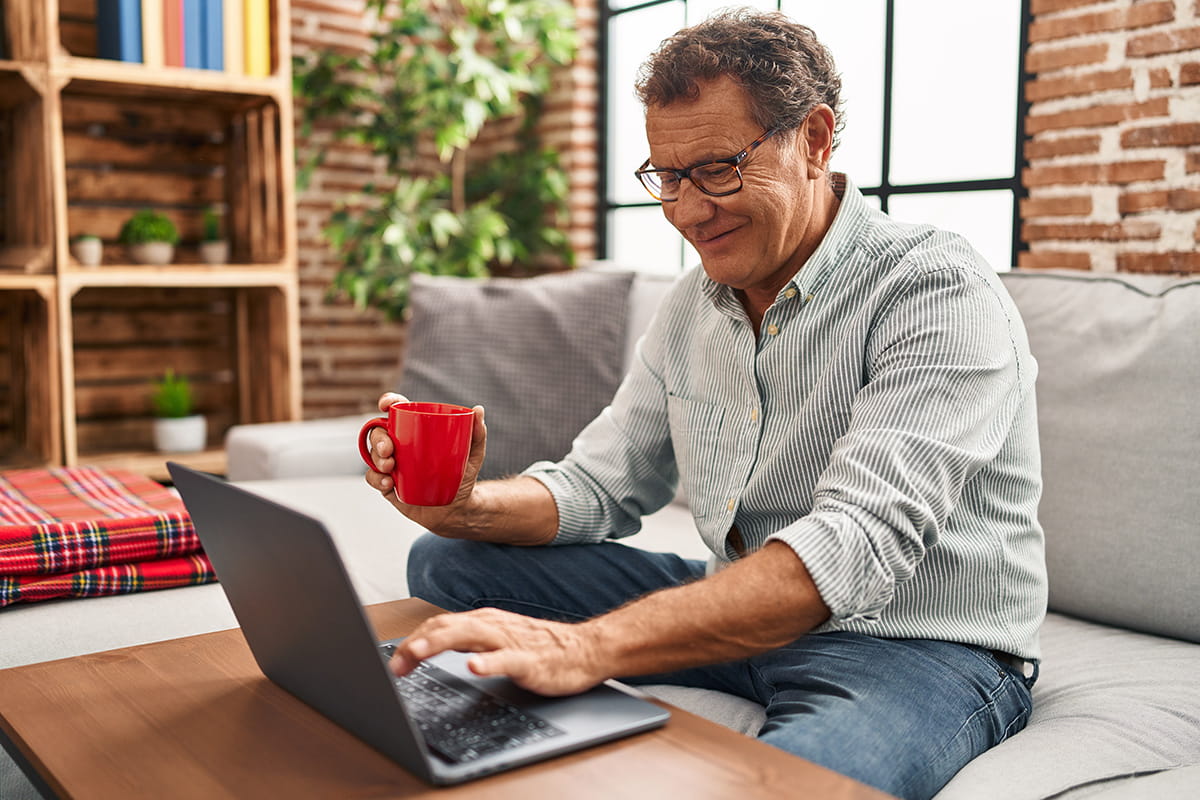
(447, 520)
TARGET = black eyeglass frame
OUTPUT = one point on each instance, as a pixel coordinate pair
(643, 172)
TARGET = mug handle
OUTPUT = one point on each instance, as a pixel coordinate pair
(378, 422)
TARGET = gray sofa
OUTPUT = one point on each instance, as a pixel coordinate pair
(1117, 706)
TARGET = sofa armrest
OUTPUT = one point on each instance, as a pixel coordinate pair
(311, 448)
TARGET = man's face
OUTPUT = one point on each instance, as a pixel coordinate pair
(759, 237)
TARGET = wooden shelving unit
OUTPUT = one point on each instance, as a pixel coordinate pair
(84, 143)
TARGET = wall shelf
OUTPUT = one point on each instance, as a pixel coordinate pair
(84, 143)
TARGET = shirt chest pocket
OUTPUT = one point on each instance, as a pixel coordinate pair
(703, 467)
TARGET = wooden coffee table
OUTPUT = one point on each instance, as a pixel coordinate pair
(195, 718)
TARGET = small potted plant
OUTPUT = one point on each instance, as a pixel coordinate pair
(150, 237)
(87, 249)
(177, 428)
(214, 249)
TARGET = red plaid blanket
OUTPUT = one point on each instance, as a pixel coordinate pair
(85, 532)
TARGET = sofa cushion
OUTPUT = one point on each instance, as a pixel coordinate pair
(1117, 379)
(1108, 704)
(542, 355)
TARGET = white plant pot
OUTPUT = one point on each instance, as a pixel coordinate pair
(215, 252)
(88, 251)
(152, 253)
(180, 434)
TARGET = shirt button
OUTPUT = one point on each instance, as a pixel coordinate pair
(773, 329)
(789, 294)
(754, 415)
(730, 504)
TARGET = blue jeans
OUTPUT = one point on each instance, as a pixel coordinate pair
(903, 715)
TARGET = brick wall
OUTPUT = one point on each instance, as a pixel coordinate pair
(348, 356)
(1113, 136)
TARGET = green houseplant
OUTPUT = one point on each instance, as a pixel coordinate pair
(150, 237)
(177, 428)
(214, 249)
(436, 72)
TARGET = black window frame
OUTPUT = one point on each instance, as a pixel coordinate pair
(885, 190)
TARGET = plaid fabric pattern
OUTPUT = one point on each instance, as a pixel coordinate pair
(87, 532)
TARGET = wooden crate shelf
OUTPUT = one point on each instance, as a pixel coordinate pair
(86, 142)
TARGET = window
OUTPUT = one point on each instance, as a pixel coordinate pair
(931, 98)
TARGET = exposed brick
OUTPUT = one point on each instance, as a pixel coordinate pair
(1189, 73)
(1160, 78)
(1137, 16)
(1063, 146)
(1135, 202)
(1069, 174)
(1093, 231)
(1155, 44)
(1097, 116)
(1037, 7)
(1185, 261)
(1078, 205)
(1042, 59)
(1183, 199)
(1120, 172)
(1053, 259)
(1192, 161)
(1180, 134)
(1089, 83)
(1196, 235)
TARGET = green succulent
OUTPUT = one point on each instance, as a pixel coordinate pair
(149, 226)
(172, 395)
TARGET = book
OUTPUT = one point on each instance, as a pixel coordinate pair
(173, 33)
(152, 33)
(119, 30)
(235, 37)
(193, 34)
(213, 36)
(258, 37)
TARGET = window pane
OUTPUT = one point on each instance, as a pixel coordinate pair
(642, 239)
(853, 30)
(954, 91)
(632, 37)
(985, 218)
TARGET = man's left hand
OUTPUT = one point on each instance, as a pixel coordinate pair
(550, 658)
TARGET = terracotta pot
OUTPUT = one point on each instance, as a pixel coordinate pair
(180, 434)
(152, 253)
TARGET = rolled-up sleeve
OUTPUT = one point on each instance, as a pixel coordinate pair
(942, 385)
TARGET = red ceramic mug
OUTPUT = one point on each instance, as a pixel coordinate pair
(430, 444)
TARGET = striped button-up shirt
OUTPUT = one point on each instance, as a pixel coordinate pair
(882, 424)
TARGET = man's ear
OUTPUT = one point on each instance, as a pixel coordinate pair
(817, 135)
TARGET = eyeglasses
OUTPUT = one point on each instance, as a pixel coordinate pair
(715, 178)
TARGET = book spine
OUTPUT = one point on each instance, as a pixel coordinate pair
(214, 35)
(119, 30)
(258, 38)
(235, 37)
(173, 33)
(152, 33)
(193, 34)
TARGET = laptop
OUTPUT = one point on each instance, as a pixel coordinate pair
(304, 623)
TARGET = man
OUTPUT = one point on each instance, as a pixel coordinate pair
(848, 403)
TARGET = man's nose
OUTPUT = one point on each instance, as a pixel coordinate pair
(693, 207)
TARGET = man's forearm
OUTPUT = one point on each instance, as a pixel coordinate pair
(762, 602)
(517, 510)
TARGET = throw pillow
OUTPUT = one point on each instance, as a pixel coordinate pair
(542, 355)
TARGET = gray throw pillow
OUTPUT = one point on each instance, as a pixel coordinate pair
(542, 355)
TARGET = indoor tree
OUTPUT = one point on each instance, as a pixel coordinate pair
(436, 72)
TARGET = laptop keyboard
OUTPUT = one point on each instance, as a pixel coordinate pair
(461, 722)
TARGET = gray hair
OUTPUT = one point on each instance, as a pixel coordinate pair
(780, 64)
